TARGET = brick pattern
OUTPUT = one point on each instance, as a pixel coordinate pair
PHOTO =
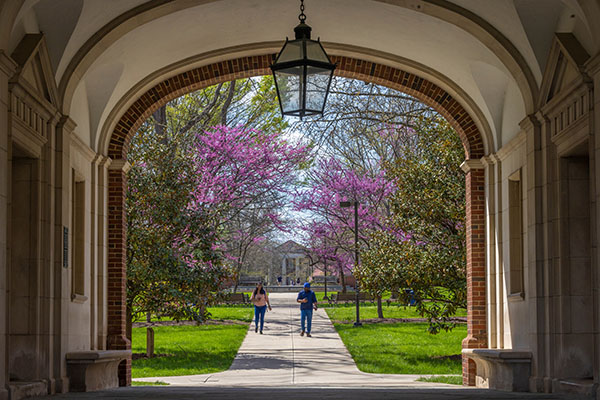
(476, 293)
(117, 272)
(245, 67)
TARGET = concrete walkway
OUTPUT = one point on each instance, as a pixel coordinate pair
(280, 364)
(281, 357)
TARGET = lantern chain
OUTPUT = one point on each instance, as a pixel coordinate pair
(302, 16)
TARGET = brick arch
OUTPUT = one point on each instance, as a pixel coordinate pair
(245, 67)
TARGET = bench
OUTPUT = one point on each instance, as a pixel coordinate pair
(237, 298)
(342, 297)
(94, 369)
(320, 279)
(501, 369)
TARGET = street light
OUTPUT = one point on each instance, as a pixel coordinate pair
(302, 73)
(346, 204)
(325, 268)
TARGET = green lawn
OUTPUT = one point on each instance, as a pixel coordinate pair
(191, 349)
(155, 383)
(403, 348)
(450, 379)
(370, 311)
(233, 313)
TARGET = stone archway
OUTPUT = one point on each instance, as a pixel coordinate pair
(245, 67)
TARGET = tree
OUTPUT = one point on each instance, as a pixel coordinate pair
(331, 231)
(429, 205)
(177, 224)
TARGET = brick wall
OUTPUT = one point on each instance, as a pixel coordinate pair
(476, 293)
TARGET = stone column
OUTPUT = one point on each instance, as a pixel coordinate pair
(62, 214)
(536, 243)
(476, 287)
(117, 265)
(593, 70)
(7, 69)
(283, 269)
(494, 289)
(102, 252)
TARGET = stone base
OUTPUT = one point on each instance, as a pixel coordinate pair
(94, 369)
(22, 390)
(581, 387)
(3, 394)
(501, 369)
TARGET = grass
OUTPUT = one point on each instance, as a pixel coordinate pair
(403, 348)
(190, 349)
(449, 379)
(232, 313)
(370, 311)
(155, 383)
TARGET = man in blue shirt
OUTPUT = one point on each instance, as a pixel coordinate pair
(308, 302)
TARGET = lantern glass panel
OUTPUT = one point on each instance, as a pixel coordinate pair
(317, 82)
(290, 85)
(291, 52)
(314, 51)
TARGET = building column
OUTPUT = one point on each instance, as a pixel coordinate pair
(593, 70)
(62, 215)
(493, 253)
(117, 265)
(102, 251)
(7, 69)
(476, 286)
(283, 269)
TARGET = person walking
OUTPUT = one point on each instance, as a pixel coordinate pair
(308, 302)
(260, 299)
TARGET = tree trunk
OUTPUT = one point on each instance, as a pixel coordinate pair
(128, 323)
(379, 307)
(160, 123)
(342, 280)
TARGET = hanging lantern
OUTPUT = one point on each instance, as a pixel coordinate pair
(302, 73)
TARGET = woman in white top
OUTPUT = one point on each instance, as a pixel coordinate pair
(260, 298)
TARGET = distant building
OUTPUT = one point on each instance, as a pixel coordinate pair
(295, 264)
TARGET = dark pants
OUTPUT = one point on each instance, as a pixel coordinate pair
(306, 315)
(259, 312)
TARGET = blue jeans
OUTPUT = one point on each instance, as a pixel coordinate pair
(306, 316)
(259, 312)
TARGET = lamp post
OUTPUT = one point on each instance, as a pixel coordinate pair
(325, 268)
(345, 204)
(302, 73)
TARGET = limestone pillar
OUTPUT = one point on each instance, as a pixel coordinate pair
(493, 255)
(536, 244)
(102, 252)
(7, 69)
(62, 289)
(593, 70)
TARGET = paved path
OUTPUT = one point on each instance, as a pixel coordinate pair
(281, 357)
(280, 364)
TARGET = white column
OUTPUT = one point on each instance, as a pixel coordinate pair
(283, 269)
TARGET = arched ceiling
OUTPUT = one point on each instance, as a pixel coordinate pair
(488, 53)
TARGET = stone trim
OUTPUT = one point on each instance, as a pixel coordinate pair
(512, 145)
(119, 165)
(469, 165)
(82, 147)
(7, 65)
